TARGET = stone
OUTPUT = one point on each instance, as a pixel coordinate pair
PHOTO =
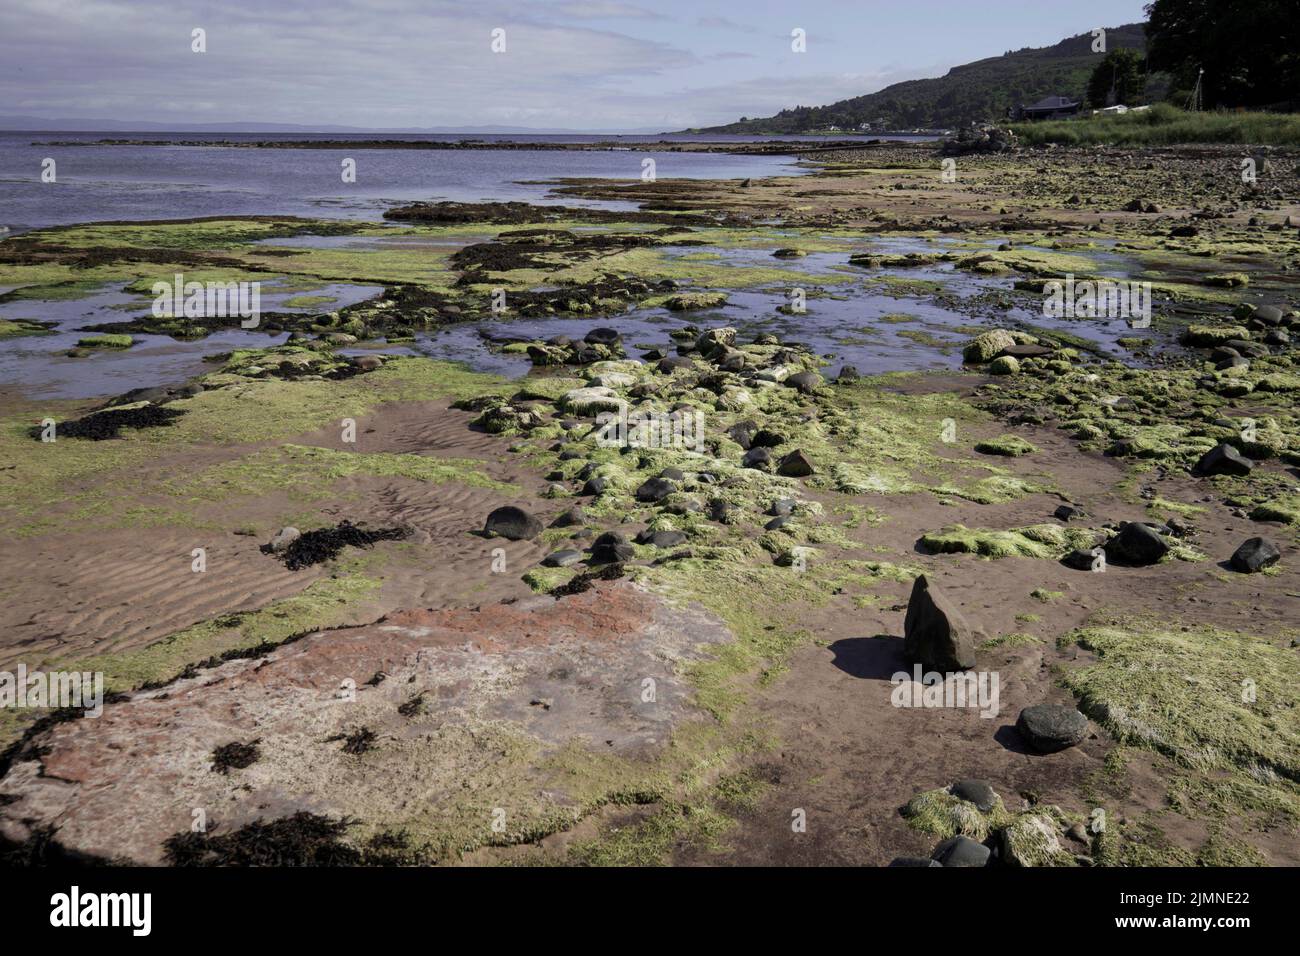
(732, 361)
(961, 851)
(654, 490)
(759, 458)
(661, 539)
(766, 438)
(978, 792)
(849, 373)
(1255, 554)
(1083, 559)
(984, 348)
(1224, 459)
(1069, 513)
(804, 382)
(784, 506)
(562, 559)
(673, 363)
(778, 523)
(611, 548)
(1049, 728)
(283, 538)
(602, 336)
(914, 861)
(742, 433)
(513, 523)
(1136, 544)
(567, 519)
(795, 465)
(934, 633)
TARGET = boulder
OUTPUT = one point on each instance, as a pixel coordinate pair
(562, 559)
(914, 861)
(805, 382)
(715, 342)
(759, 458)
(661, 539)
(1224, 459)
(1069, 513)
(987, 346)
(654, 490)
(602, 336)
(513, 523)
(611, 548)
(961, 851)
(1255, 554)
(934, 632)
(978, 792)
(742, 433)
(1083, 559)
(1048, 728)
(1136, 544)
(795, 465)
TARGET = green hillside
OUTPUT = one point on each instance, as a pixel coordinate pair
(982, 90)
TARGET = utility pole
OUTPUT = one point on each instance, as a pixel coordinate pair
(1194, 101)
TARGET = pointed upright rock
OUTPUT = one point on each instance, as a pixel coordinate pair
(934, 632)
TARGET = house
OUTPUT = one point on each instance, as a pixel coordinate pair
(1051, 107)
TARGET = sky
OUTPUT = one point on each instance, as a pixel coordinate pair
(566, 64)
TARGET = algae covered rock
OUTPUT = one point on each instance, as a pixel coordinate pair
(1008, 446)
(934, 633)
(591, 400)
(987, 346)
(1004, 365)
(1034, 840)
(696, 300)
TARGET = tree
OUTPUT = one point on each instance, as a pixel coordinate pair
(1247, 48)
(1119, 78)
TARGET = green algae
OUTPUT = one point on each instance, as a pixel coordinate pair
(1035, 541)
(1008, 446)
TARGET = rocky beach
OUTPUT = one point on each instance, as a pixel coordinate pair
(374, 581)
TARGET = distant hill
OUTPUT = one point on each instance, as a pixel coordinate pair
(978, 91)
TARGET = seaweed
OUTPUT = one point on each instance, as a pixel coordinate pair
(325, 544)
(102, 425)
(235, 756)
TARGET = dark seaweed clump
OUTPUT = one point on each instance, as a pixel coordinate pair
(584, 581)
(42, 848)
(304, 839)
(235, 756)
(324, 544)
(98, 426)
(357, 742)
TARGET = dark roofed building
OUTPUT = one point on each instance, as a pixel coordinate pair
(1050, 107)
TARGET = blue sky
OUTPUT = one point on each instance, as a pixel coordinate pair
(578, 64)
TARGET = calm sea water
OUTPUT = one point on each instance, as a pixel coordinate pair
(97, 183)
